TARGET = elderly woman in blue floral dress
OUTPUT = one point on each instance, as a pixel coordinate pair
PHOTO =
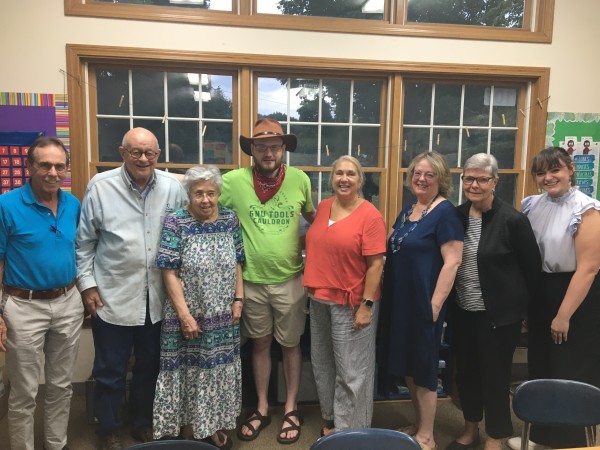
(198, 392)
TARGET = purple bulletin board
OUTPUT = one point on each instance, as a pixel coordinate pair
(28, 118)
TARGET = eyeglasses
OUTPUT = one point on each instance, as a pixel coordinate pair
(260, 148)
(210, 194)
(428, 175)
(137, 154)
(47, 167)
(481, 181)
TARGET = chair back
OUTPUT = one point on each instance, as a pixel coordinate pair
(557, 402)
(173, 445)
(366, 439)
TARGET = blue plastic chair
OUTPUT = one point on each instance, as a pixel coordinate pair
(557, 402)
(173, 445)
(366, 439)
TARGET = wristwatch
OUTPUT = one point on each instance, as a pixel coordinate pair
(368, 303)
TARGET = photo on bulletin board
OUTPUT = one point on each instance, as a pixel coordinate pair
(579, 135)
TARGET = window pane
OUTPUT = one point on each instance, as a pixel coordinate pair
(326, 189)
(505, 107)
(348, 9)
(336, 101)
(454, 196)
(181, 96)
(220, 105)
(304, 100)
(365, 145)
(114, 85)
(367, 101)
(217, 148)
(214, 5)
(371, 189)
(158, 128)
(314, 185)
(186, 136)
(477, 111)
(491, 13)
(417, 104)
(416, 140)
(445, 142)
(447, 104)
(474, 142)
(506, 189)
(110, 136)
(503, 148)
(273, 98)
(306, 153)
(334, 143)
(148, 93)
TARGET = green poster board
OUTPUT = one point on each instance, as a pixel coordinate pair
(583, 129)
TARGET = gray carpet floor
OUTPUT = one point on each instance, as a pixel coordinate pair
(390, 414)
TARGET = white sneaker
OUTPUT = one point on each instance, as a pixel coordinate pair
(515, 444)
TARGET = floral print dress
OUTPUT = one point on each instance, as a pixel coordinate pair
(200, 380)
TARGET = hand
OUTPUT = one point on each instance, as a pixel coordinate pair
(362, 317)
(189, 327)
(236, 312)
(3, 335)
(91, 300)
(559, 329)
(435, 312)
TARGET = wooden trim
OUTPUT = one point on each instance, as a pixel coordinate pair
(250, 19)
(538, 109)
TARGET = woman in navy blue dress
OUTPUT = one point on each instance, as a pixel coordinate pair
(423, 255)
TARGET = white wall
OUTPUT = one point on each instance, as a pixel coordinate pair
(34, 33)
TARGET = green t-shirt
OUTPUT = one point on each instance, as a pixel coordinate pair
(270, 231)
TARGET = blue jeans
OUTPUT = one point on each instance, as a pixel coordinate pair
(113, 345)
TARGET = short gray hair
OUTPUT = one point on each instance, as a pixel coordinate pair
(199, 173)
(482, 161)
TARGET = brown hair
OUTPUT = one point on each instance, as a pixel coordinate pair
(552, 158)
(45, 141)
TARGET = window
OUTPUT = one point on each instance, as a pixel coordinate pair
(190, 113)
(381, 113)
(331, 117)
(460, 120)
(214, 5)
(504, 20)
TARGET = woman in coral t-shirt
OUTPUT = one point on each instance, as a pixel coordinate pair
(344, 261)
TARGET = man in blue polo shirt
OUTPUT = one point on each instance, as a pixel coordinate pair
(41, 309)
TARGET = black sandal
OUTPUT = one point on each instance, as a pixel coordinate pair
(253, 416)
(291, 427)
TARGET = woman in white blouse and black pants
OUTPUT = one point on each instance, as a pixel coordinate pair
(564, 316)
(501, 262)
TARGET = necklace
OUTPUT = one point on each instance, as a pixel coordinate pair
(395, 239)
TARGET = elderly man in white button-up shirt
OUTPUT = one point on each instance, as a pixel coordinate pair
(122, 214)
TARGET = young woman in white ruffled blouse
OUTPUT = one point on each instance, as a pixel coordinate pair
(564, 315)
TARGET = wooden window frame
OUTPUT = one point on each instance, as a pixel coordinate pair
(394, 24)
(79, 56)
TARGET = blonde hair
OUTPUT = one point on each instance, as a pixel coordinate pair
(440, 170)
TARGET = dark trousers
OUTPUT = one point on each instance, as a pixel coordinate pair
(113, 345)
(483, 366)
(577, 359)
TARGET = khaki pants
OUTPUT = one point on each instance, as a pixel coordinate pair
(35, 326)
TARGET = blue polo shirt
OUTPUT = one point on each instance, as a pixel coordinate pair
(38, 248)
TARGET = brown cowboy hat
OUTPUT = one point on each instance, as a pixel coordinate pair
(268, 128)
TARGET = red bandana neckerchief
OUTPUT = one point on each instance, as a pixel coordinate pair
(266, 187)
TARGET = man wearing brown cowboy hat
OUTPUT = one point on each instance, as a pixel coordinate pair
(269, 198)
